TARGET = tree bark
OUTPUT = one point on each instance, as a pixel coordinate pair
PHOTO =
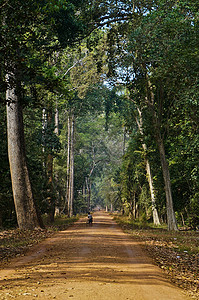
(156, 220)
(51, 201)
(57, 121)
(171, 219)
(84, 193)
(66, 204)
(88, 188)
(70, 165)
(56, 176)
(26, 212)
(68, 192)
(134, 207)
(49, 169)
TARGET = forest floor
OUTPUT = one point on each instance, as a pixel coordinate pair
(98, 262)
(176, 253)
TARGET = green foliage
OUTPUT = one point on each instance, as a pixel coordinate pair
(194, 211)
(128, 223)
(162, 49)
(61, 222)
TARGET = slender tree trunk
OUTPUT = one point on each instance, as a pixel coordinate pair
(56, 177)
(26, 212)
(156, 220)
(51, 201)
(88, 192)
(49, 166)
(57, 121)
(182, 217)
(84, 193)
(124, 141)
(67, 170)
(70, 165)
(134, 206)
(171, 219)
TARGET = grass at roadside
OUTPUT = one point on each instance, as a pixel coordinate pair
(16, 242)
(177, 253)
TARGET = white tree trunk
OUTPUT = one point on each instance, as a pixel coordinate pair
(156, 220)
(57, 121)
(56, 176)
(70, 165)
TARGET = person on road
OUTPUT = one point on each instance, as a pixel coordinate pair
(90, 218)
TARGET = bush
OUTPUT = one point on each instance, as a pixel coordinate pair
(194, 211)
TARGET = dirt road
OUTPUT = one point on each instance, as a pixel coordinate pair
(87, 262)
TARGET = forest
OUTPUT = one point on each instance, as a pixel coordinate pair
(99, 108)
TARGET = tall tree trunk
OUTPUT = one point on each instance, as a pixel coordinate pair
(124, 141)
(84, 193)
(57, 121)
(156, 220)
(68, 191)
(66, 204)
(56, 177)
(49, 169)
(171, 219)
(88, 187)
(51, 202)
(134, 206)
(70, 165)
(26, 212)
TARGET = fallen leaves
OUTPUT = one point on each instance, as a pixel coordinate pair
(177, 253)
(16, 242)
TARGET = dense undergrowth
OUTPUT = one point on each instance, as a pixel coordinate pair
(177, 253)
(15, 242)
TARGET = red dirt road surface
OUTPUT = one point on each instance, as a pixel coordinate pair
(87, 262)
